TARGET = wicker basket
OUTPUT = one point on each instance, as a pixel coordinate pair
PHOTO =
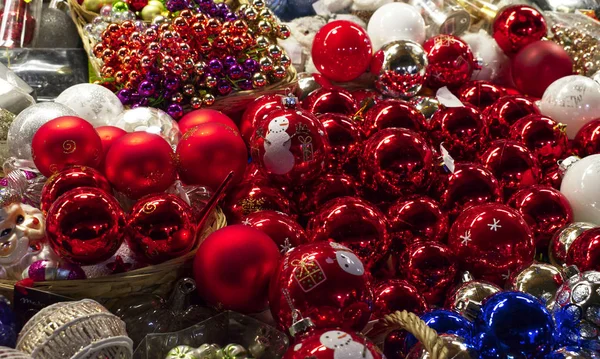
(158, 279)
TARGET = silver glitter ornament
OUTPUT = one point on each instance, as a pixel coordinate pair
(400, 68)
(57, 30)
(94, 103)
(26, 124)
(150, 120)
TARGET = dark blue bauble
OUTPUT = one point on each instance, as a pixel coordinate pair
(514, 324)
(8, 326)
(300, 8)
(279, 8)
(444, 322)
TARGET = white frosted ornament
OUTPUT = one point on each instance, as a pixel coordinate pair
(494, 63)
(581, 186)
(396, 21)
(572, 100)
(94, 103)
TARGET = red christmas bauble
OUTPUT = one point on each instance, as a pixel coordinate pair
(328, 100)
(480, 94)
(325, 282)
(256, 111)
(140, 163)
(200, 117)
(506, 111)
(393, 113)
(397, 161)
(290, 146)
(65, 141)
(545, 210)
(341, 50)
(68, 179)
(451, 61)
(543, 136)
(209, 152)
(233, 266)
(584, 252)
(136, 5)
(85, 226)
(333, 344)
(552, 177)
(161, 227)
(254, 196)
(282, 229)
(326, 188)
(362, 95)
(518, 26)
(356, 224)
(460, 129)
(108, 136)
(345, 138)
(587, 140)
(513, 165)
(431, 267)
(491, 241)
(416, 219)
(538, 65)
(397, 294)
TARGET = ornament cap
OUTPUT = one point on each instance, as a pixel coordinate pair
(300, 326)
(289, 101)
(570, 271)
(565, 164)
(467, 277)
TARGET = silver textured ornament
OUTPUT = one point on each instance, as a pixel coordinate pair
(538, 279)
(57, 30)
(26, 124)
(457, 346)
(94, 103)
(400, 68)
(572, 353)
(149, 120)
(470, 292)
(562, 240)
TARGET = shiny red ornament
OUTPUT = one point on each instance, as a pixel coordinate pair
(356, 224)
(506, 111)
(397, 294)
(336, 293)
(451, 61)
(254, 196)
(68, 179)
(19, 24)
(397, 161)
(518, 26)
(199, 117)
(65, 141)
(280, 227)
(480, 94)
(543, 136)
(431, 267)
(361, 96)
(290, 146)
(584, 252)
(161, 227)
(538, 65)
(136, 5)
(345, 138)
(341, 50)
(545, 210)
(552, 177)
(333, 343)
(233, 266)
(256, 111)
(512, 164)
(416, 219)
(393, 113)
(108, 136)
(491, 241)
(85, 226)
(326, 188)
(140, 163)
(209, 152)
(329, 100)
(460, 129)
(587, 140)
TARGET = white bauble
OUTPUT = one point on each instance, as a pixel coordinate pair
(572, 100)
(494, 63)
(581, 186)
(396, 21)
(94, 103)
(151, 120)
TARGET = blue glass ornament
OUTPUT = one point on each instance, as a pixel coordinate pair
(8, 326)
(514, 325)
(444, 322)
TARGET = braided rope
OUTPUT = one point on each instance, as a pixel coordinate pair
(413, 324)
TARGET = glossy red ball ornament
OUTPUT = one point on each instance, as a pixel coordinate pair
(233, 266)
(65, 141)
(329, 100)
(254, 196)
(552, 177)
(506, 111)
(431, 267)
(397, 161)
(341, 50)
(584, 252)
(480, 94)
(538, 65)
(108, 136)
(362, 95)
(397, 294)
(333, 344)
(325, 282)
(140, 163)
(326, 188)
(290, 146)
(545, 210)
(356, 224)
(136, 5)
(587, 140)
(518, 26)
(491, 241)
(85, 226)
(199, 117)
(207, 153)
(451, 61)
(68, 179)
(345, 138)
(393, 113)
(415, 219)
(280, 227)
(543, 136)
(256, 111)
(512, 164)
(460, 129)
(161, 227)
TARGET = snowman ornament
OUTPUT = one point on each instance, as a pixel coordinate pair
(344, 346)
(278, 158)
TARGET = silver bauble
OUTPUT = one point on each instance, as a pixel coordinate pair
(306, 85)
(572, 353)
(57, 30)
(94, 103)
(457, 349)
(26, 124)
(426, 105)
(469, 294)
(400, 68)
(538, 279)
(562, 240)
(150, 120)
